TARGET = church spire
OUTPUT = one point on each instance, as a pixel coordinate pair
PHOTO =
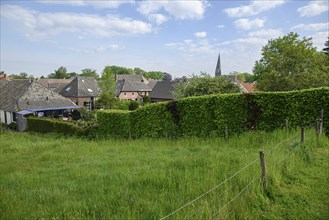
(218, 70)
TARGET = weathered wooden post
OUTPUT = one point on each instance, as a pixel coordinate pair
(226, 133)
(262, 166)
(321, 123)
(287, 124)
(302, 135)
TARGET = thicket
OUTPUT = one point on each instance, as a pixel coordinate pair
(219, 115)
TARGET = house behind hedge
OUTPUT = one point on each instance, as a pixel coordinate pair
(21, 98)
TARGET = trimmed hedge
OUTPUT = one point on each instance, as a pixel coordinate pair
(114, 123)
(215, 115)
(203, 116)
(45, 125)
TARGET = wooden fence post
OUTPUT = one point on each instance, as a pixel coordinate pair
(226, 133)
(262, 166)
(321, 123)
(287, 124)
(302, 135)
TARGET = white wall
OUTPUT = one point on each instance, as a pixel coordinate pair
(9, 116)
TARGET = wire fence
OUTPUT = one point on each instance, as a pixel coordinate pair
(216, 202)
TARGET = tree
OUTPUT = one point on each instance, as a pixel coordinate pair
(60, 73)
(139, 71)
(154, 75)
(107, 98)
(326, 49)
(204, 85)
(89, 72)
(20, 76)
(244, 77)
(72, 74)
(166, 77)
(290, 63)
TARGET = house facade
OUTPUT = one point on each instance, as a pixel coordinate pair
(132, 87)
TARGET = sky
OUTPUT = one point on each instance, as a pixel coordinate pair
(178, 37)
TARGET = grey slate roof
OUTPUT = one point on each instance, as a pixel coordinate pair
(130, 86)
(3, 82)
(131, 77)
(55, 85)
(81, 86)
(21, 94)
(163, 90)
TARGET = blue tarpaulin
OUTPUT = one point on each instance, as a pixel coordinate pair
(30, 111)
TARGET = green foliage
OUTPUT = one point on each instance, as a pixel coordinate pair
(154, 75)
(89, 72)
(86, 115)
(153, 121)
(326, 49)
(133, 105)
(204, 85)
(146, 99)
(12, 125)
(228, 114)
(20, 76)
(60, 73)
(122, 105)
(107, 98)
(114, 123)
(244, 77)
(290, 63)
(45, 125)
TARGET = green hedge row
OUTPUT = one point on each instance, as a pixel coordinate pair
(45, 125)
(217, 115)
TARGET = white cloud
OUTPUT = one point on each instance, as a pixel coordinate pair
(158, 18)
(266, 33)
(40, 26)
(312, 27)
(254, 8)
(99, 49)
(319, 38)
(220, 26)
(313, 8)
(247, 24)
(94, 3)
(191, 47)
(182, 10)
(200, 34)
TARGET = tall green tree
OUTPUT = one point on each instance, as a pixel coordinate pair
(204, 85)
(89, 72)
(60, 73)
(326, 49)
(107, 99)
(291, 63)
(244, 77)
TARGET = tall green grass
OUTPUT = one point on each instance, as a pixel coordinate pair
(51, 176)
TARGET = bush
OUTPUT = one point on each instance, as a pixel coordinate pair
(133, 105)
(44, 125)
(86, 115)
(12, 126)
(114, 123)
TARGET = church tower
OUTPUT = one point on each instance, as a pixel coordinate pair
(218, 70)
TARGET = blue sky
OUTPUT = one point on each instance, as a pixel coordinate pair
(178, 37)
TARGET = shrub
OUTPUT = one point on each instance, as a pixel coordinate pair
(12, 125)
(114, 123)
(45, 125)
(133, 105)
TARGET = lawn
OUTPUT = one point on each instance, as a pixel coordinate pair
(52, 176)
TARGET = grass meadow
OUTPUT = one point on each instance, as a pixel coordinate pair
(49, 176)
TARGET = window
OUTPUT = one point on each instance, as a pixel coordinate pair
(89, 90)
(125, 94)
(87, 105)
(68, 89)
(133, 93)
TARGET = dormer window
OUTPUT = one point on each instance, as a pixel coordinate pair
(89, 90)
(68, 89)
(82, 80)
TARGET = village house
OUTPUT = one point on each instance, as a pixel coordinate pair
(24, 97)
(162, 91)
(83, 91)
(132, 87)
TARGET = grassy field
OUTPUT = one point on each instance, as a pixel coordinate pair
(51, 176)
